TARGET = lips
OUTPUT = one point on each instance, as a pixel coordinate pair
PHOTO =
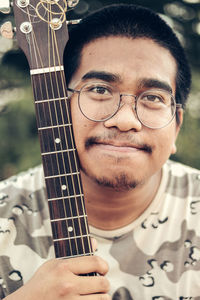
(117, 145)
(120, 145)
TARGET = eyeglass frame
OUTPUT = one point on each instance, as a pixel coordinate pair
(177, 105)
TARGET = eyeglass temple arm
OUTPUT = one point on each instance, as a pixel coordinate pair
(72, 90)
(179, 105)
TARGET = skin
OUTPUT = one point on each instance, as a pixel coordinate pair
(118, 155)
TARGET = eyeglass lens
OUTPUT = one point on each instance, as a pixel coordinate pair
(154, 108)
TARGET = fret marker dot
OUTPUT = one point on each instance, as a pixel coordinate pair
(57, 141)
(70, 228)
(64, 187)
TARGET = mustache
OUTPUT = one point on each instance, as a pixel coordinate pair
(93, 140)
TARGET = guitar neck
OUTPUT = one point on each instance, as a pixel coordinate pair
(61, 166)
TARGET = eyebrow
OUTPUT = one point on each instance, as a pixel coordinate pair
(101, 75)
(114, 78)
(155, 83)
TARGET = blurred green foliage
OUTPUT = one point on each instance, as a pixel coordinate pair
(19, 146)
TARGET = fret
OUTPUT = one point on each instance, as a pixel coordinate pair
(72, 247)
(57, 138)
(60, 151)
(52, 113)
(70, 228)
(60, 164)
(71, 208)
(49, 85)
(70, 238)
(66, 197)
(55, 126)
(62, 186)
(49, 100)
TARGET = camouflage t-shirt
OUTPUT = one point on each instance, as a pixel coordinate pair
(155, 257)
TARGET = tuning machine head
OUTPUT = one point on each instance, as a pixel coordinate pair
(7, 31)
(72, 3)
(5, 6)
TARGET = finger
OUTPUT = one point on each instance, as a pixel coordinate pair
(96, 297)
(94, 244)
(94, 285)
(86, 265)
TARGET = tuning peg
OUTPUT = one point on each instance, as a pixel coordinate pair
(72, 3)
(7, 31)
(5, 6)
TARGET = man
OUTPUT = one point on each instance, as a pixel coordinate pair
(128, 80)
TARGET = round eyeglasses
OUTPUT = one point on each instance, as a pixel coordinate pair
(154, 108)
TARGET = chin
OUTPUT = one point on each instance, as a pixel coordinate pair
(119, 181)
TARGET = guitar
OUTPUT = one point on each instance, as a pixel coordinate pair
(42, 34)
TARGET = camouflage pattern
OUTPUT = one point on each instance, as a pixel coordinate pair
(155, 257)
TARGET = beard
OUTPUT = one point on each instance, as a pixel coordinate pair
(120, 182)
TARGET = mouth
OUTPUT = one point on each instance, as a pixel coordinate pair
(117, 145)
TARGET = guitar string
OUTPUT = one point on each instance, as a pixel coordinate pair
(70, 130)
(61, 142)
(52, 38)
(73, 184)
(56, 112)
(35, 44)
(34, 80)
(59, 224)
(73, 146)
(75, 159)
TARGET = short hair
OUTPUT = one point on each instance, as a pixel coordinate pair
(132, 21)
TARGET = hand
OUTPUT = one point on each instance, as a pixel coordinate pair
(59, 279)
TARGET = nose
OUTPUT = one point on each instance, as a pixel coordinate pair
(125, 119)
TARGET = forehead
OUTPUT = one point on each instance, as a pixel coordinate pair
(129, 59)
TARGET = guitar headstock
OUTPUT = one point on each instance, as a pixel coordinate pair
(41, 29)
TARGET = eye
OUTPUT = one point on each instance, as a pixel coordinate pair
(103, 90)
(153, 98)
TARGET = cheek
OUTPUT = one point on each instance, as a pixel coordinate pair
(164, 143)
(80, 126)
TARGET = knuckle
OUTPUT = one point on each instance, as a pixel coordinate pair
(67, 288)
(101, 265)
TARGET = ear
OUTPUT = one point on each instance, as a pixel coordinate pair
(177, 129)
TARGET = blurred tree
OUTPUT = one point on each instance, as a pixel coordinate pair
(19, 147)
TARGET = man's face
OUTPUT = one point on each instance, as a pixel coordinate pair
(121, 152)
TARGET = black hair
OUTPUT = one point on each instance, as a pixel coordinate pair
(130, 21)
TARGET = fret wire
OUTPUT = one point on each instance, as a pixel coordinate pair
(68, 218)
(70, 238)
(65, 197)
(59, 151)
(50, 100)
(61, 175)
(75, 255)
(54, 126)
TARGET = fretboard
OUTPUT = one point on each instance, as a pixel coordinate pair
(61, 166)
